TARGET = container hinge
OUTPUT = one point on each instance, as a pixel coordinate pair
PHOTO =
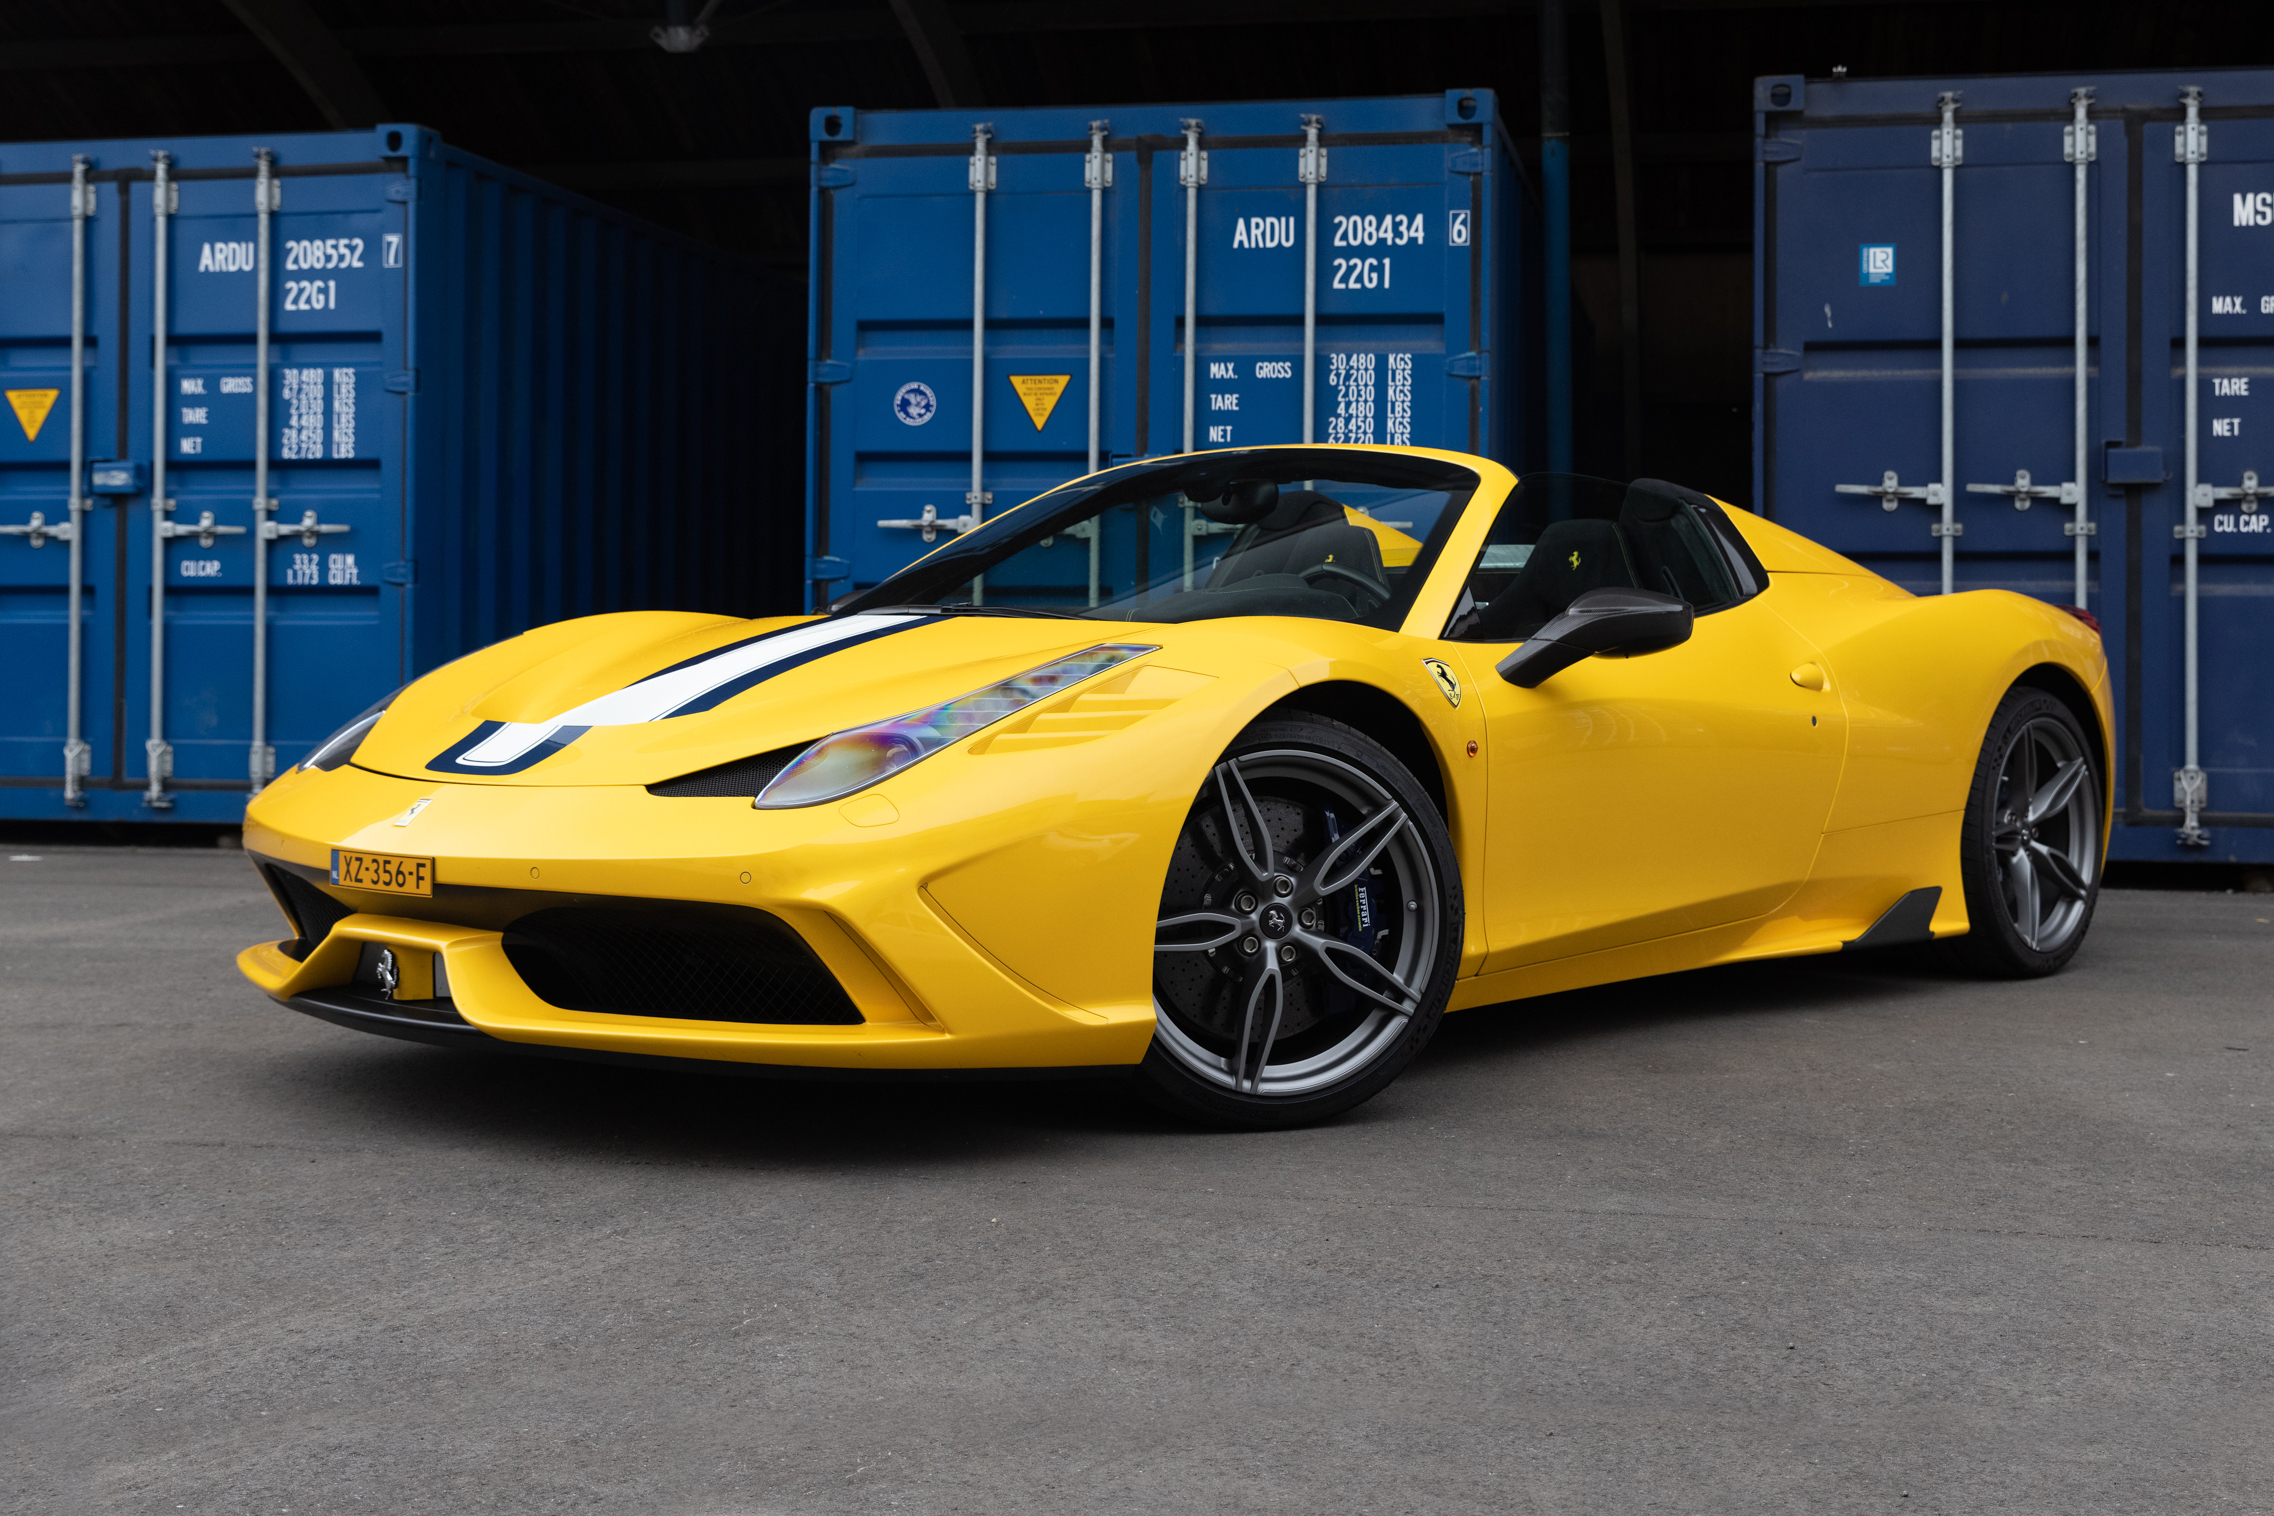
(828, 371)
(39, 529)
(402, 191)
(2023, 492)
(403, 382)
(1775, 360)
(932, 523)
(826, 569)
(1891, 491)
(1775, 150)
(405, 572)
(1468, 366)
(2207, 495)
(1470, 160)
(832, 176)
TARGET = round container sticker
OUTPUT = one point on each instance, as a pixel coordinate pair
(914, 403)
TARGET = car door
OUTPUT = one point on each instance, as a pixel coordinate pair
(1636, 798)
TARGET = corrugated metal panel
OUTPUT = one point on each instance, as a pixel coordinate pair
(1849, 378)
(1417, 258)
(491, 405)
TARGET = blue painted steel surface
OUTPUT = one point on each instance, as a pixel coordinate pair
(1419, 264)
(1848, 366)
(501, 404)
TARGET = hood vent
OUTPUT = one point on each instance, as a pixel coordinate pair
(741, 779)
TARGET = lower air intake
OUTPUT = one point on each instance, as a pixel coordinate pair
(691, 962)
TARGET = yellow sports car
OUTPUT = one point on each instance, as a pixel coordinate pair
(1233, 772)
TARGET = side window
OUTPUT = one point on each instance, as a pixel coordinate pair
(1561, 535)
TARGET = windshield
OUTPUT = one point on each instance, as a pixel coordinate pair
(1329, 534)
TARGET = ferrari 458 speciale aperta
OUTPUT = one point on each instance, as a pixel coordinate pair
(1233, 772)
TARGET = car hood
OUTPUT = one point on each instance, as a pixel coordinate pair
(641, 697)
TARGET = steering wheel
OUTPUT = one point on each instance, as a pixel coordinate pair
(1373, 587)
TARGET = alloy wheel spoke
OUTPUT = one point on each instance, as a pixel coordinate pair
(1228, 929)
(1267, 980)
(2062, 874)
(2007, 838)
(1245, 809)
(2024, 770)
(1356, 852)
(1399, 996)
(2057, 792)
(2021, 873)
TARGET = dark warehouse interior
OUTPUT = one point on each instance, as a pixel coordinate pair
(694, 115)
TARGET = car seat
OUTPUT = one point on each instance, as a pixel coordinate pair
(1305, 530)
(1571, 558)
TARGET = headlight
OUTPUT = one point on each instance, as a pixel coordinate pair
(839, 765)
(334, 751)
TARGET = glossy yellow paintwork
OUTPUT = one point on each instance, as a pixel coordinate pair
(1766, 789)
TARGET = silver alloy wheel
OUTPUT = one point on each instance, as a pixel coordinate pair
(2045, 834)
(1299, 927)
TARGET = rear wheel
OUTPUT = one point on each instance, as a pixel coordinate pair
(2030, 848)
(1309, 930)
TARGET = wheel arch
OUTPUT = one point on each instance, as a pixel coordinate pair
(1381, 716)
(2063, 685)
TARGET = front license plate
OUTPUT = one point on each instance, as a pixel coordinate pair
(383, 872)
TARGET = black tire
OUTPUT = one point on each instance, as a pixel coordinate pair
(2032, 871)
(1282, 950)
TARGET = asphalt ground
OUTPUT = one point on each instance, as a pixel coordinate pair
(1822, 1236)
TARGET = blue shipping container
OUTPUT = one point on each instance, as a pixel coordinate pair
(489, 404)
(2075, 401)
(1000, 304)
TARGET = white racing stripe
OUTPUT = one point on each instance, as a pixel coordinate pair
(660, 695)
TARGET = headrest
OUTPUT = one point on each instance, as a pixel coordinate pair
(1298, 509)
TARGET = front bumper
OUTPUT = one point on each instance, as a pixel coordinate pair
(858, 892)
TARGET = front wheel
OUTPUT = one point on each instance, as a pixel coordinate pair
(2030, 847)
(1309, 930)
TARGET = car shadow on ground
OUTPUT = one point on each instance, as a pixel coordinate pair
(609, 1112)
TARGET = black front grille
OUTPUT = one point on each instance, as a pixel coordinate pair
(743, 778)
(313, 912)
(693, 962)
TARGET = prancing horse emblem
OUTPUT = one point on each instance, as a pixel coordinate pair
(1447, 681)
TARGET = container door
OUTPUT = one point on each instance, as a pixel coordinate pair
(332, 638)
(1853, 366)
(2234, 440)
(36, 550)
(899, 445)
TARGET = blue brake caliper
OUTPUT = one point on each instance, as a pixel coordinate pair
(1365, 930)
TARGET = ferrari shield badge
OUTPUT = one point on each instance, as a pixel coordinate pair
(1447, 681)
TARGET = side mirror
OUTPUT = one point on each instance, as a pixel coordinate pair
(1601, 621)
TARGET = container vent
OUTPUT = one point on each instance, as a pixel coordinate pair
(691, 962)
(744, 777)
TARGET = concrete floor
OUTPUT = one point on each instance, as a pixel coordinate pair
(1825, 1236)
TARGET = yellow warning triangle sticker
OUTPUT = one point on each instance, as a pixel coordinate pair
(1039, 393)
(32, 406)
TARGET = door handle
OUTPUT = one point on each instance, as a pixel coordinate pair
(1810, 676)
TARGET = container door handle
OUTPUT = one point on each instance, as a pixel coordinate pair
(39, 529)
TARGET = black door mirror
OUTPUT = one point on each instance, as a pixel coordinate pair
(1601, 621)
